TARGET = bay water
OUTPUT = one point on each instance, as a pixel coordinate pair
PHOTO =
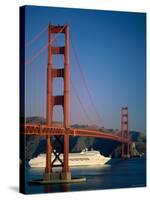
(117, 173)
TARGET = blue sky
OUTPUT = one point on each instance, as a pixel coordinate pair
(111, 48)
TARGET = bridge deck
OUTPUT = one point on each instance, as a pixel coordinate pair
(44, 130)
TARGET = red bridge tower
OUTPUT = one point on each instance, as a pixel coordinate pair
(125, 132)
(62, 100)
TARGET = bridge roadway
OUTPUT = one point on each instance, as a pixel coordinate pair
(44, 130)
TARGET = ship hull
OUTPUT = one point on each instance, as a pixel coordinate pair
(75, 160)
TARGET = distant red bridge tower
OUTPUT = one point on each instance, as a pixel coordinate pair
(125, 152)
(62, 100)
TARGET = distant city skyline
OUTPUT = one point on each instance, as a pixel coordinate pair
(111, 48)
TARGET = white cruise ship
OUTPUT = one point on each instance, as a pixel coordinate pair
(84, 158)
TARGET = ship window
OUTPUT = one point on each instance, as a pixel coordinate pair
(78, 159)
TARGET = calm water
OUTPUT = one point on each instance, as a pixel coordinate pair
(118, 174)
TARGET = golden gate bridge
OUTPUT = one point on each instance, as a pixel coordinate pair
(36, 89)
